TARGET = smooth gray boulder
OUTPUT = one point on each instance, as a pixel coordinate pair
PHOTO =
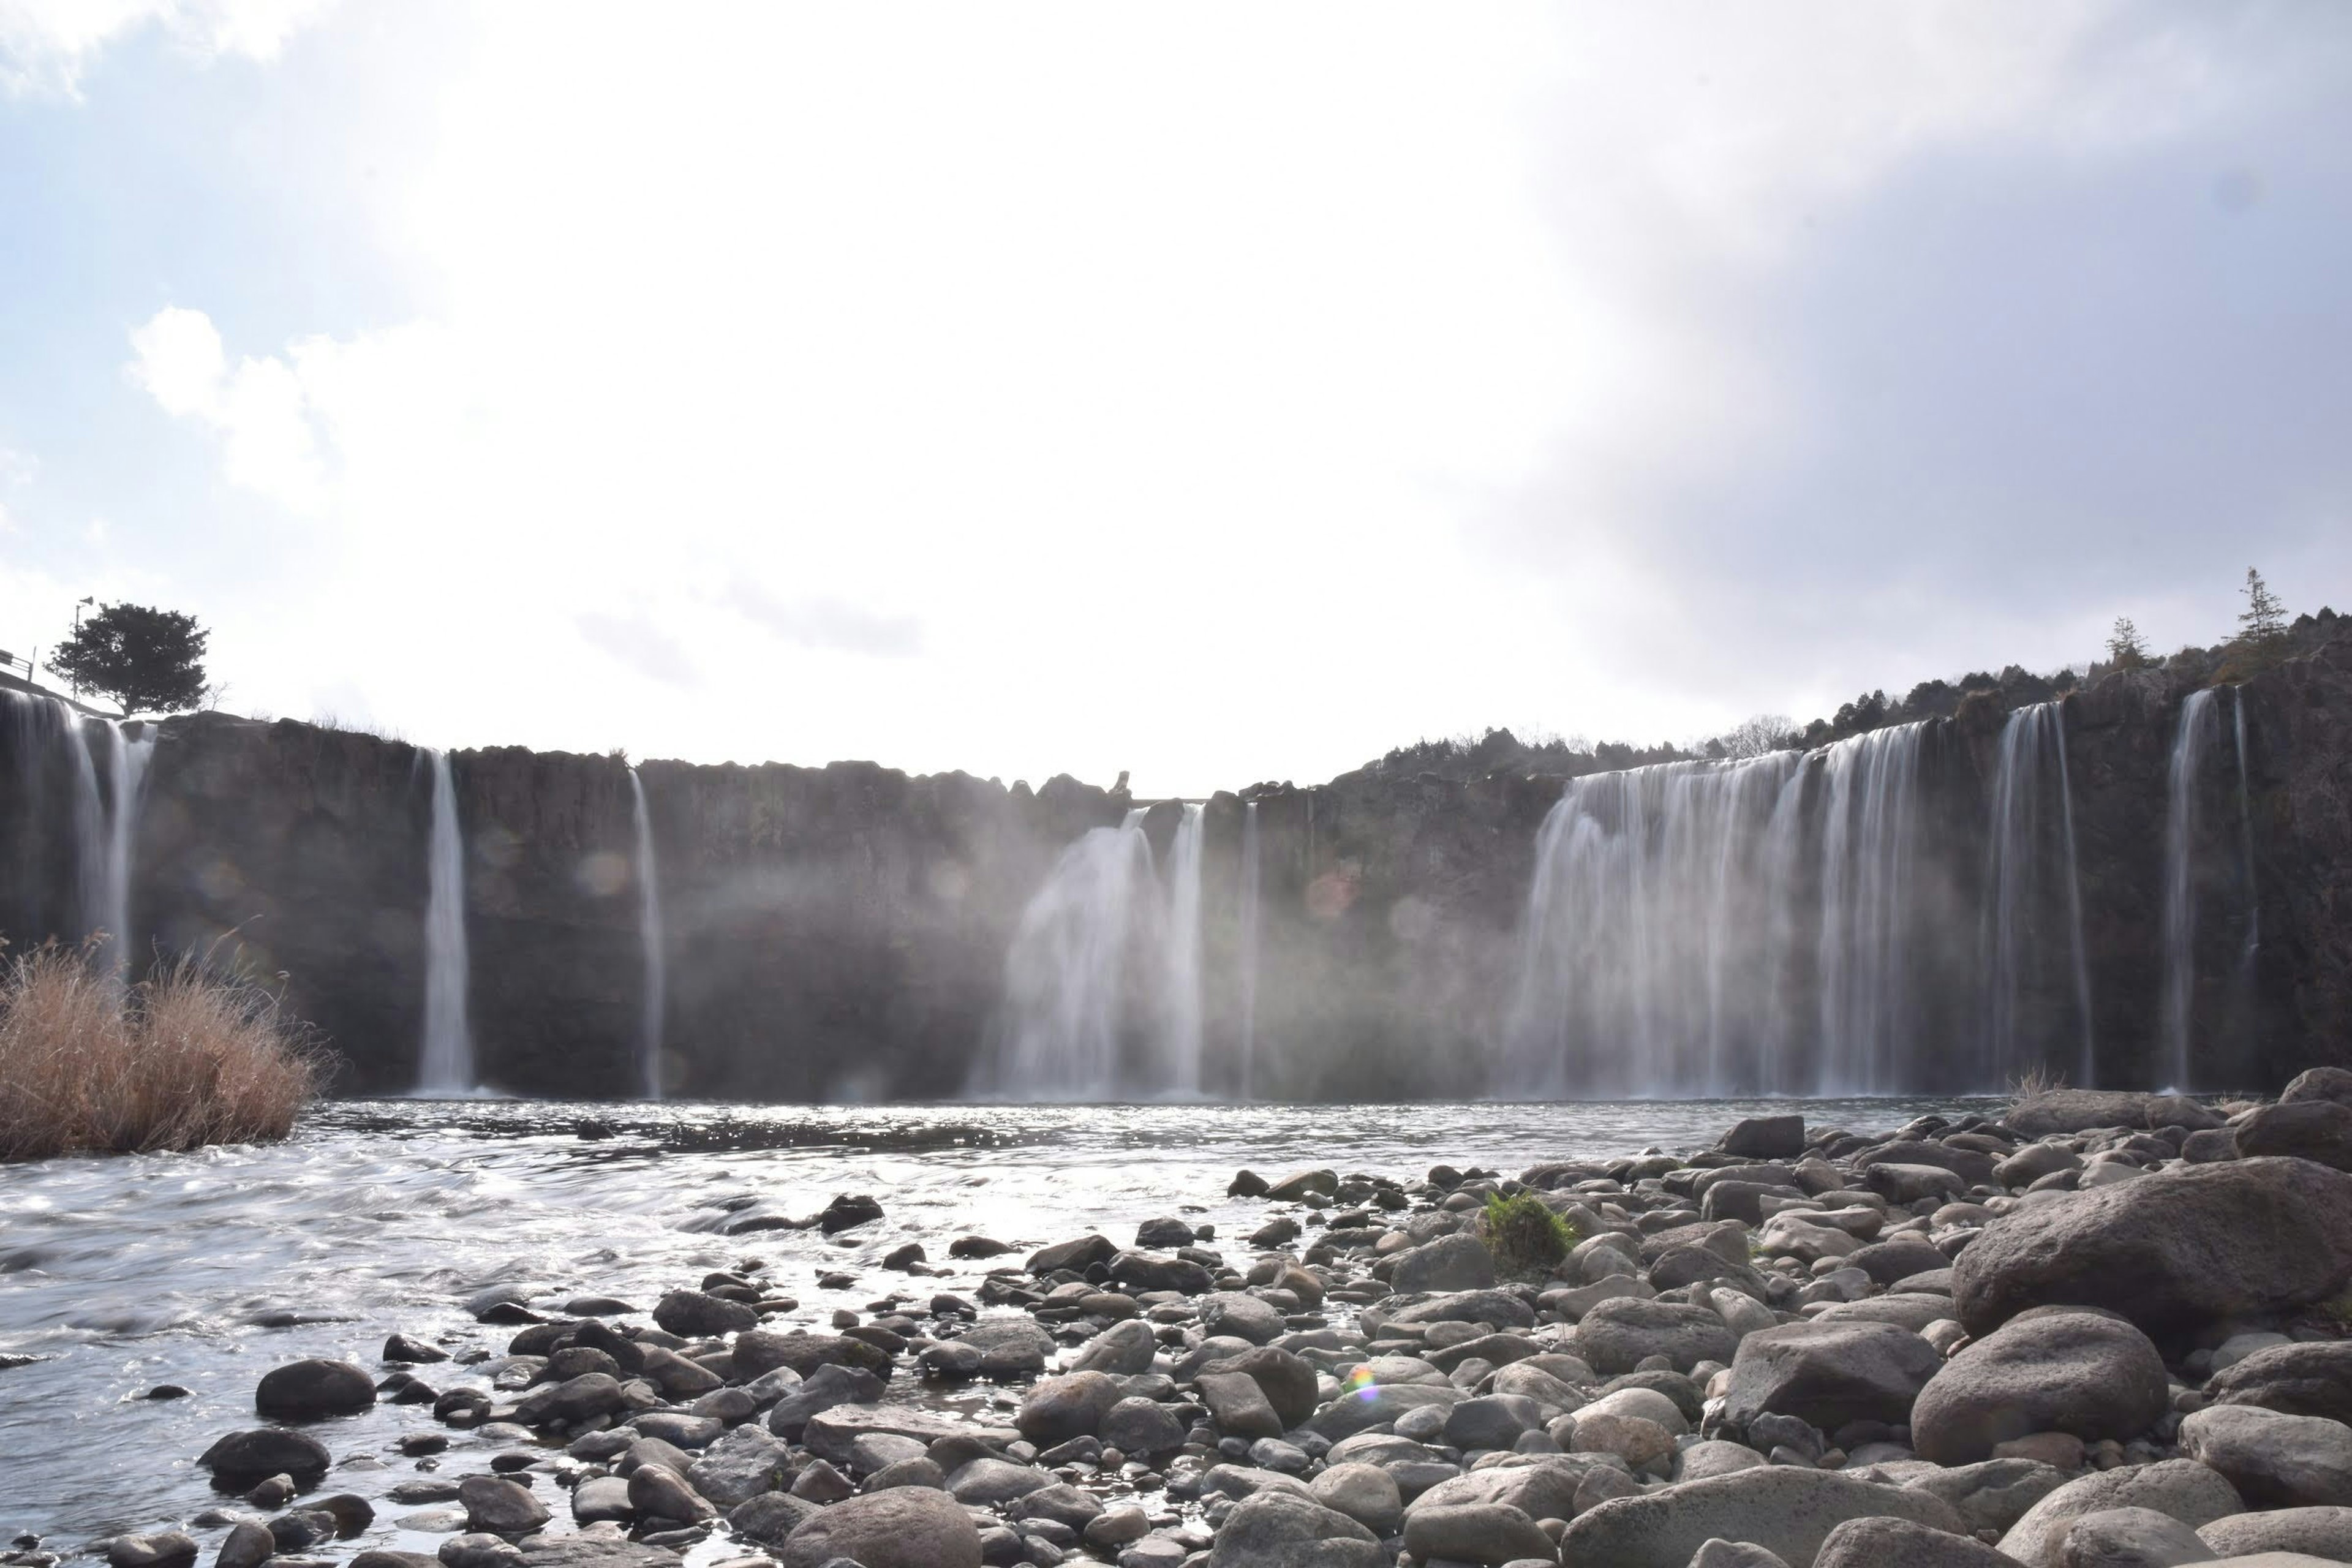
(1060, 1408)
(832, 1434)
(1490, 1533)
(905, 1527)
(1787, 1510)
(2273, 1460)
(1881, 1542)
(2048, 1370)
(2172, 1251)
(1765, 1138)
(2319, 1129)
(497, 1507)
(2129, 1537)
(1237, 1315)
(2313, 1378)
(1122, 1350)
(1283, 1529)
(1828, 1375)
(740, 1466)
(1993, 1494)
(2313, 1532)
(1722, 1554)
(1619, 1335)
(308, 1390)
(2180, 1488)
(1539, 1487)
(2078, 1111)
(1365, 1493)
(1456, 1262)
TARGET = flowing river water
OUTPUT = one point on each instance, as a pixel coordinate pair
(206, 1269)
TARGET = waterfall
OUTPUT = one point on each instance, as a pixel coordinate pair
(1249, 896)
(1649, 934)
(2198, 729)
(2029, 883)
(1102, 982)
(1869, 846)
(1183, 1062)
(105, 826)
(446, 1068)
(649, 935)
(2246, 833)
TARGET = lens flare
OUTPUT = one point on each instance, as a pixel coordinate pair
(1360, 1384)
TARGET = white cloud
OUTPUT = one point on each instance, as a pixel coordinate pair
(48, 45)
(1122, 385)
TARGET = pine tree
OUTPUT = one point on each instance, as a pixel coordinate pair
(2125, 649)
(2263, 623)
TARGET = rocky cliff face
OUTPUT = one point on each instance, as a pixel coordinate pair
(841, 932)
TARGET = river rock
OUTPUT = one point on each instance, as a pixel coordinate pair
(2179, 1489)
(1060, 1408)
(2313, 1378)
(164, 1549)
(1785, 1510)
(1283, 1529)
(601, 1497)
(243, 1460)
(248, 1546)
(2313, 1532)
(1900, 1543)
(905, 1527)
(1365, 1493)
(2319, 1129)
(1141, 1428)
(740, 1466)
(1993, 1494)
(572, 1401)
(2273, 1460)
(496, 1507)
(1239, 1407)
(1288, 1381)
(1765, 1138)
(1232, 1314)
(1504, 1308)
(2172, 1251)
(1121, 1350)
(473, 1548)
(2129, 1537)
(1381, 1405)
(1454, 1262)
(1618, 1335)
(656, 1491)
(1482, 1533)
(758, 1351)
(1831, 1373)
(593, 1552)
(1143, 1271)
(694, 1315)
(307, 1390)
(2048, 1370)
(2076, 1110)
(832, 1434)
(1539, 1486)
(1009, 1347)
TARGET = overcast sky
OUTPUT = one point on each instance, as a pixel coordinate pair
(1223, 393)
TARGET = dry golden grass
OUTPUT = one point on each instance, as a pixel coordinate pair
(2035, 1080)
(180, 1060)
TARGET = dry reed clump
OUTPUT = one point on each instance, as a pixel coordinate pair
(185, 1058)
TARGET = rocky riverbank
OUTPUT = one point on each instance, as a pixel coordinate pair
(2104, 1330)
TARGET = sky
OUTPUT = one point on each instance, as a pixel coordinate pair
(1220, 392)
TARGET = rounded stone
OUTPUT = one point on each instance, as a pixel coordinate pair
(2084, 1372)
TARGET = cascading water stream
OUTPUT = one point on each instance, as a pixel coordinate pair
(2246, 834)
(445, 1068)
(1248, 934)
(1649, 931)
(1102, 982)
(2198, 727)
(2030, 846)
(1869, 846)
(1184, 1008)
(105, 828)
(127, 779)
(649, 936)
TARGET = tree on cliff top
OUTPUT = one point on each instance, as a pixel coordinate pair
(149, 660)
(2263, 623)
(2127, 649)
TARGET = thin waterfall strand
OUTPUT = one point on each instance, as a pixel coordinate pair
(2246, 831)
(1184, 1004)
(1248, 934)
(447, 1068)
(2030, 878)
(2198, 727)
(1869, 847)
(127, 778)
(649, 937)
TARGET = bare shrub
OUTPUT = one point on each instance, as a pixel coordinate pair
(186, 1058)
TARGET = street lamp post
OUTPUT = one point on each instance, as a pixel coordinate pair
(92, 599)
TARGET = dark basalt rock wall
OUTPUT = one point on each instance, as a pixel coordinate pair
(841, 932)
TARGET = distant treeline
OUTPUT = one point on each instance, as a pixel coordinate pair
(1501, 752)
